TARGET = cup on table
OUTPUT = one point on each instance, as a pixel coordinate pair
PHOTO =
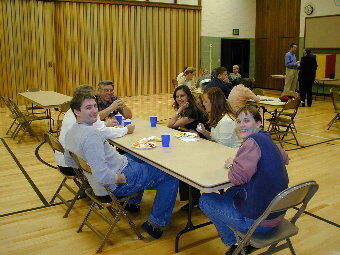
(119, 118)
(166, 140)
(127, 122)
(153, 121)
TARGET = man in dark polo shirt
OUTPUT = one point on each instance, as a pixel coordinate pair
(108, 104)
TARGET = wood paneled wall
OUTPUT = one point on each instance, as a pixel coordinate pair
(59, 45)
(22, 47)
(277, 25)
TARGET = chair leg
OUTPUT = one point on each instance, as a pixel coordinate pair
(9, 129)
(59, 188)
(112, 225)
(132, 225)
(336, 117)
(86, 217)
(291, 246)
(72, 202)
(297, 143)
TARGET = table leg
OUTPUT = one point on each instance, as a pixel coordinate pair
(317, 89)
(189, 226)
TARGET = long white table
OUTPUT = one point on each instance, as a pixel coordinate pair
(47, 100)
(199, 164)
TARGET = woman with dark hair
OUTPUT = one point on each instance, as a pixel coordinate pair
(241, 93)
(188, 112)
(258, 172)
(220, 119)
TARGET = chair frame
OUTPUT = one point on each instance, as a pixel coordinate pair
(292, 197)
(335, 95)
(24, 121)
(115, 207)
(283, 119)
(56, 146)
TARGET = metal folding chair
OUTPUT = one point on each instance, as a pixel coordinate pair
(282, 122)
(336, 103)
(23, 121)
(298, 195)
(114, 205)
(68, 174)
(258, 92)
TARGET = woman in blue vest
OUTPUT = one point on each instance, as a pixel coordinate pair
(258, 173)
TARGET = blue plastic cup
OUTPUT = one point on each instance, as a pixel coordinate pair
(153, 121)
(119, 118)
(127, 122)
(166, 140)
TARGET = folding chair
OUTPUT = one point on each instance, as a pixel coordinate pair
(282, 123)
(336, 103)
(12, 115)
(114, 205)
(258, 92)
(174, 83)
(23, 121)
(298, 195)
(62, 110)
(68, 174)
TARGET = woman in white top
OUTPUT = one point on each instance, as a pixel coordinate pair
(187, 77)
(220, 120)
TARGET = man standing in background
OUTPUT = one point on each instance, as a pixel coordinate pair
(291, 69)
(307, 73)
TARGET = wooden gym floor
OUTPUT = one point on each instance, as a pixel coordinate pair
(28, 226)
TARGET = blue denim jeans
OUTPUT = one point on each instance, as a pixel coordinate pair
(221, 211)
(142, 176)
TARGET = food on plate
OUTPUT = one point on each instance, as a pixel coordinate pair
(186, 134)
(143, 144)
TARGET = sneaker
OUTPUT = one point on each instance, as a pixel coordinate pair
(132, 208)
(151, 230)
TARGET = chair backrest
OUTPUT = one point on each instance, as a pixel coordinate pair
(292, 104)
(174, 83)
(64, 107)
(291, 197)
(16, 110)
(258, 92)
(33, 90)
(291, 93)
(81, 163)
(53, 142)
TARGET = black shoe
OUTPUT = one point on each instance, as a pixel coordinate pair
(248, 249)
(132, 208)
(185, 207)
(231, 249)
(303, 104)
(152, 231)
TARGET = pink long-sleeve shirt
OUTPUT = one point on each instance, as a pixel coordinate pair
(239, 96)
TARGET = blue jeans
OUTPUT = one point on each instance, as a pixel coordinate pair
(221, 211)
(141, 176)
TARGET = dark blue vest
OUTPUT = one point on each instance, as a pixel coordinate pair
(269, 180)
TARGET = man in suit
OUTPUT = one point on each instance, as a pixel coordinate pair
(308, 66)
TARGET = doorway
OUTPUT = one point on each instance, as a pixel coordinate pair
(236, 52)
